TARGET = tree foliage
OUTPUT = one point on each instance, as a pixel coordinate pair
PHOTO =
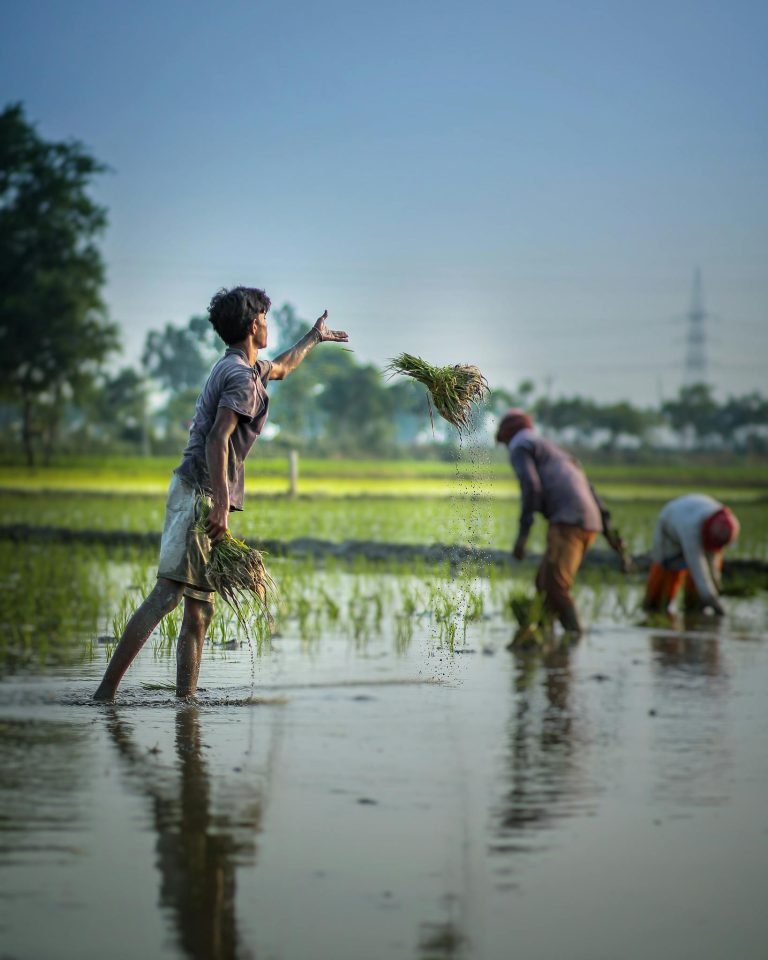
(180, 358)
(54, 330)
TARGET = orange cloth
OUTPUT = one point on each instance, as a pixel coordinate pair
(663, 586)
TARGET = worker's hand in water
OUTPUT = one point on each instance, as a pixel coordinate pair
(336, 336)
(718, 608)
(518, 550)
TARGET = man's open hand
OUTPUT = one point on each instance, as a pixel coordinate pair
(326, 335)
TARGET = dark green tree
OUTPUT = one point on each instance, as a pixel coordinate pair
(694, 411)
(54, 331)
(180, 358)
(115, 409)
(623, 419)
(356, 401)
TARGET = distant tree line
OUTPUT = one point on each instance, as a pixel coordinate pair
(60, 388)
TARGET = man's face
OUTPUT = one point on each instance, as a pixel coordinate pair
(260, 329)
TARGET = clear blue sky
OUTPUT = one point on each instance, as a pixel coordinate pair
(526, 186)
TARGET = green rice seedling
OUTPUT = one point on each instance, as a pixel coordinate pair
(237, 573)
(377, 603)
(219, 632)
(169, 627)
(454, 390)
(445, 609)
(121, 617)
(303, 614)
(473, 608)
(332, 608)
(159, 685)
(448, 634)
(403, 633)
(533, 619)
(409, 600)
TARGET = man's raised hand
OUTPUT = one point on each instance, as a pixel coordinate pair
(326, 335)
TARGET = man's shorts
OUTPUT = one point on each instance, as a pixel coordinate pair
(184, 551)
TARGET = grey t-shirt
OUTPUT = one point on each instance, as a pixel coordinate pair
(235, 384)
(552, 483)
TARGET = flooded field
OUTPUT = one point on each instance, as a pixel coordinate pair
(384, 779)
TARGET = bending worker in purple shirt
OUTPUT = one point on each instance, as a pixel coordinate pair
(229, 415)
(552, 483)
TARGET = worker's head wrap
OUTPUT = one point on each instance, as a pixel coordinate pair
(512, 422)
(719, 530)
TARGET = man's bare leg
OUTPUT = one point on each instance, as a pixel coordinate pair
(164, 597)
(189, 650)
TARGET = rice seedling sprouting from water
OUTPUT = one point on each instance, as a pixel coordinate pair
(454, 389)
(237, 573)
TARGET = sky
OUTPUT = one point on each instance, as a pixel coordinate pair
(527, 186)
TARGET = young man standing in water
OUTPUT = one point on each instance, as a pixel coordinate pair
(229, 415)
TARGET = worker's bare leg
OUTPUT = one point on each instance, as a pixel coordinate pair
(164, 597)
(189, 650)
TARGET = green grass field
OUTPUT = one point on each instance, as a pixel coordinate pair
(406, 502)
(488, 473)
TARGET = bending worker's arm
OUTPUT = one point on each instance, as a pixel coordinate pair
(293, 356)
(216, 456)
(699, 570)
(530, 496)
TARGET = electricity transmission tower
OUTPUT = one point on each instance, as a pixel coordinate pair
(696, 336)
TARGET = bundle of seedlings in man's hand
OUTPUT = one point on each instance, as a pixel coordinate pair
(237, 573)
(454, 390)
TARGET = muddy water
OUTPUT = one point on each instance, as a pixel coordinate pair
(607, 801)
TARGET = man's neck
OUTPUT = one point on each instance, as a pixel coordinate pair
(248, 347)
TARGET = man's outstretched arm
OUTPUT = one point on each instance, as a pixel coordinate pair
(293, 356)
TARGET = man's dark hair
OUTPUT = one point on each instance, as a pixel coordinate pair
(231, 311)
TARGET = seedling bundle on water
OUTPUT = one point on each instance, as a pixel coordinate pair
(454, 390)
(237, 573)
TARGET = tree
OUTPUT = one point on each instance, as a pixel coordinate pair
(623, 419)
(694, 410)
(180, 358)
(357, 404)
(54, 330)
(115, 409)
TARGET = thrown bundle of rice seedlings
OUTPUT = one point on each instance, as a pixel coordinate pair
(454, 389)
(237, 573)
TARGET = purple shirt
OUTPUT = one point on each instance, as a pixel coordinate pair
(235, 384)
(551, 483)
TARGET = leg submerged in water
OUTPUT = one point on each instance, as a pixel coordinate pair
(164, 597)
(566, 547)
(189, 651)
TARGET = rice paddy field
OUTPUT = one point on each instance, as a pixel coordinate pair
(377, 775)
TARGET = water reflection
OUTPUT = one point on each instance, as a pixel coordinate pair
(546, 778)
(40, 787)
(690, 738)
(198, 848)
(692, 645)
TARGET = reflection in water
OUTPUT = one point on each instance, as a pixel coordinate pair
(690, 747)
(546, 780)
(197, 850)
(682, 648)
(441, 941)
(41, 765)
